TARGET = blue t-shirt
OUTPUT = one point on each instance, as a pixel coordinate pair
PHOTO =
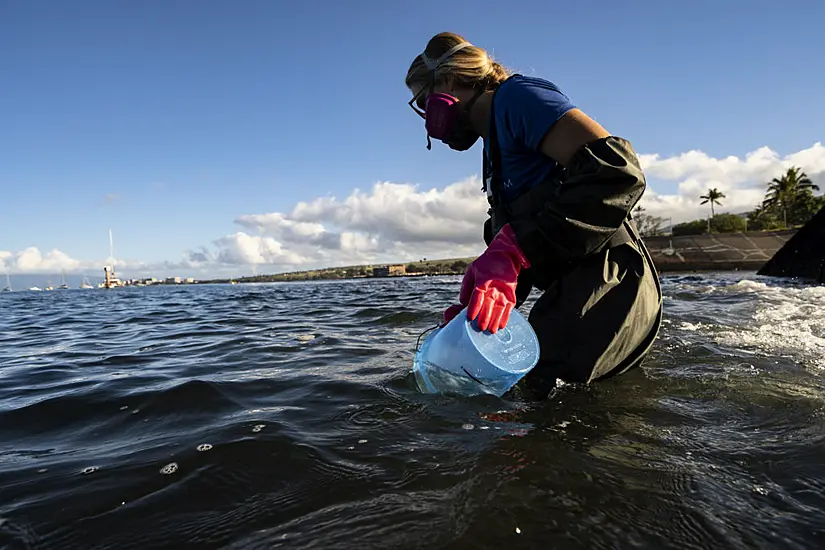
(525, 109)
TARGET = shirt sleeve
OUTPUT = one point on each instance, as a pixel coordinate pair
(529, 107)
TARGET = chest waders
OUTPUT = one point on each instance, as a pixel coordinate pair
(601, 306)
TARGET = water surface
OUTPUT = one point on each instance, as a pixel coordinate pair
(285, 416)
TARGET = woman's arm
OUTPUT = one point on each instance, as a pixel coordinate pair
(536, 113)
(602, 184)
(568, 134)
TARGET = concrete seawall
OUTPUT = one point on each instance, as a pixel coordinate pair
(723, 252)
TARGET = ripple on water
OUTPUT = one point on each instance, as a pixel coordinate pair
(285, 415)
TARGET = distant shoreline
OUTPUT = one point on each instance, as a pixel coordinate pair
(680, 254)
(275, 279)
(667, 269)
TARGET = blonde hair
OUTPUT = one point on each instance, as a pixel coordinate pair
(470, 66)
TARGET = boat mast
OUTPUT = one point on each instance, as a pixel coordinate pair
(112, 252)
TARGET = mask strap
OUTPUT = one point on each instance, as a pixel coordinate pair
(473, 99)
(433, 65)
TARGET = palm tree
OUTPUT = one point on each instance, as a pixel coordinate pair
(785, 191)
(712, 197)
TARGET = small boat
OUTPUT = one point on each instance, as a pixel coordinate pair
(63, 286)
(85, 283)
(35, 288)
(8, 284)
(110, 279)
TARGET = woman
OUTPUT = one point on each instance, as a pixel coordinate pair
(561, 189)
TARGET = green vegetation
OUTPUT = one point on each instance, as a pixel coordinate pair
(351, 272)
(720, 223)
(789, 202)
(792, 196)
(453, 266)
(647, 225)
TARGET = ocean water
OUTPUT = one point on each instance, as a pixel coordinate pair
(286, 416)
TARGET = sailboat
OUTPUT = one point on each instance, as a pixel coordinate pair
(49, 285)
(63, 286)
(111, 280)
(8, 284)
(85, 283)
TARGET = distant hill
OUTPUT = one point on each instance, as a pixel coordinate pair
(449, 266)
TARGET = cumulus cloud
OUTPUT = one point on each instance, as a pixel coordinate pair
(742, 180)
(401, 222)
(402, 212)
(32, 261)
(392, 211)
(240, 248)
(392, 222)
(398, 222)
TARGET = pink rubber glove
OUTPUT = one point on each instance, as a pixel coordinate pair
(488, 290)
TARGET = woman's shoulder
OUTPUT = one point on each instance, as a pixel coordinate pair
(528, 105)
(520, 86)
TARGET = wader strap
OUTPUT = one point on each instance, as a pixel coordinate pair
(530, 203)
(492, 185)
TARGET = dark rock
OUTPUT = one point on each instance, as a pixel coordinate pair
(803, 256)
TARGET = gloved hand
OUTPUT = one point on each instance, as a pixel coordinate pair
(488, 290)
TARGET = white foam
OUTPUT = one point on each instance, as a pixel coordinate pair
(786, 321)
(746, 285)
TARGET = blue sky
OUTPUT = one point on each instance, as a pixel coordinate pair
(167, 120)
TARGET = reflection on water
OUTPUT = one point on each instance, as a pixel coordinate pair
(286, 415)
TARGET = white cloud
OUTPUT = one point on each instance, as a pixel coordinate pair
(742, 180)
(401, 212)
(402, 222)
(392, 222)
(240, 248)
(393, 211)
(32, 261)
